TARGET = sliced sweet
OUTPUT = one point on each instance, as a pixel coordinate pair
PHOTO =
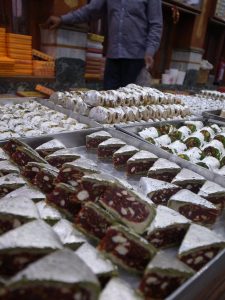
(166, 129)
(50, 147)
(197, 139)
(118, 289)
(72, 172)
(45, 179)
(129, 207)
(164, 274)
(194, 125)
(58, 158)
(214, 193)
(176, 147)
(33, 168)
(11, 146)
(194, 154)
(189, 180)
(140, 163)
(208, 133)
(9, 183)
(167, 229)
(6, 167)
(121, 156)
(48, 213)
(21, 246)
(93, 221)
(60, 275)
(209, 162)
(103, 268)
(126, 249)
(194, 207)
(107, 148)
(69, 235)
(96, 138)
(29, 191)
(216, 128)
(3, 155)
(200, 245)
(214, 148)
(163, 140)
(157, 190)
(15, 212)
(22, 156)
(62, 198)
(149, 134)
(164, 170)
(181, 134)
(221, 137)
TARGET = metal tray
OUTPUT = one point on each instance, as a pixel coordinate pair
(201, 286)
(214, 114)
(134, 129)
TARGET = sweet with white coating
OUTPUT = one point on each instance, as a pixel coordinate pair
(140, 163)
(50, 147)
(200, 245)
(164, 170)
(48, 213)
(121, 156)
(107, 148)
(214, 193)
(96, 138)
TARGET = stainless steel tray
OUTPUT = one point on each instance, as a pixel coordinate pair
(134, 129)
(214, 114)
(205, 282)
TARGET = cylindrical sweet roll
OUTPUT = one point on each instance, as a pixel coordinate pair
(93, 98)
(144, 113)
(101, 114)
(116, 117)
(136, 113)
(130, 114)
(123, 116)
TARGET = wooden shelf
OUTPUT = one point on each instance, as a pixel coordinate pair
(217, 21)
(28, 78)
(183, 7)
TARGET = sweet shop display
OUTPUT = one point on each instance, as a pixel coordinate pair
(102, 201)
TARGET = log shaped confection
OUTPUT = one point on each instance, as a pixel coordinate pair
(23, 155)
(194, 207)
(190, 180)
(60, 157)
(164, 169)
(140, 163)
(126, 249)
(199, 246)
(214, 193)
(60, 275)
(50, 147)
(157, 190)
(167, 229)
(96, 138)
(163, 275)
(20, 247)
(33, 168)
(107, 148)
(121, 156)
(45, 179)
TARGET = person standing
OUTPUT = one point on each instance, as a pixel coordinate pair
(134, 34)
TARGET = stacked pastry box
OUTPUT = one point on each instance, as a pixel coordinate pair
(19, 48)
(66, 225)
(192, 141)
(95, 62)
(43, 64)
(7, 65)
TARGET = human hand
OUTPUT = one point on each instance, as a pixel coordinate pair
(149, 61)
(53, 22)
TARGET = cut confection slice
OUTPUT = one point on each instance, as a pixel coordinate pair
(11, 146)
(72, 172)
(140, 163)
(189, 180)
(58, 158)
(181, 134)
(149, 134)
(62, 198)
(166, 129)
(9, 183)
(48, 213)
(200, 245)
(126, 249)
(15, 212)
(216, 128)
(103, 268)
(176, 147)
(45, 179)
(107, 148)
(163, 140)
(221, 137)
(208, 133)
(3, 155)
(96, 138)
(197, 139)
(50, 147)
(118, 289)
(60, 275)
(129, 207)
(214, 193)
(167, 229)
(121, 156)
(209, 162)
(93, 220)
(21, 246)
(194, 125)
(194, 207)
(157, 190)
(164, 274)
(214, 148)
(29, 191)
(23, 156)
(194, 154)
(164, 169)
(6, 167)
(33, 168)
(69, 236)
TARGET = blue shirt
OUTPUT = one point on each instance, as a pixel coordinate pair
(134, 26)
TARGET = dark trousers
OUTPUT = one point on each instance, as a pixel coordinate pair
(121, 72)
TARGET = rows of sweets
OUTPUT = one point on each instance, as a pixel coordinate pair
(202, 145)
(213, 94)
(33, 119)
(129, 104)
(66, 226)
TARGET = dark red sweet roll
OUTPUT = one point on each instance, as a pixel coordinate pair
(22, 156)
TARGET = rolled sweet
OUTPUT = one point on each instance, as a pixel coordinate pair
(144, 113)
(116, 117)
(129, 113)
(93, 98)
(136, 113)
(101, 114)
(121, 113)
